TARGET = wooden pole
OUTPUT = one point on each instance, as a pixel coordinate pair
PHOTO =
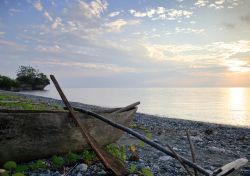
(111, 164)
(192, 151)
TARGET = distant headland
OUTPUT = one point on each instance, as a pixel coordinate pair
(27, 78)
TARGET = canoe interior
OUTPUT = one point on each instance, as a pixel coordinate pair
(31, 134)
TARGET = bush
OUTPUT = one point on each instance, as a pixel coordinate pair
(7, 83)
(57, 161)
(72, 157)
(10, 165)
(88, 155)
(28, 76)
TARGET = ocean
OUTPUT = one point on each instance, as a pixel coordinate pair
(217, 105)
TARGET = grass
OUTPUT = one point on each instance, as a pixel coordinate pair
(18, 102)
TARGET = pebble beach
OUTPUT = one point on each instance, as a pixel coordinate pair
(215, 144)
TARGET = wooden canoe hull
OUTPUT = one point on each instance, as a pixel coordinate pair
(29, 135)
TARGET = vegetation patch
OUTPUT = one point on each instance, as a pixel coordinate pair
(8, 101)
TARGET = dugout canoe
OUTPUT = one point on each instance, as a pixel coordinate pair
(31, 134)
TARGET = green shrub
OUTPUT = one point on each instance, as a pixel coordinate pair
(57, 161)
(6, 173)
(39, 164)
(7, 83)
(132, 169)
(146, 172)
(10, 165)
(72, 157)
(22, 168)
(88, 155)
(118, 152)
(18, 174)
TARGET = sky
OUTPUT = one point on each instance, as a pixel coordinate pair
(129, 43)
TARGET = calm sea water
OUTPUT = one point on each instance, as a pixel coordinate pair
(218, 105)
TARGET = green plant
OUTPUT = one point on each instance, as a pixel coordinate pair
(7, 83)
(88, 155)
(18, 174)
(39, 164)
(117, 151)
(10, 165)
(6, 173)
(149, 135)
(72, 157)
(146, 172)
(57, 161)
(132, 169)
(22, 168)
(142, 144)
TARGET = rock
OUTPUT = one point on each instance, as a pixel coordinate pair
(82, 167)
(196, 138)
(101, 173)
(164, 158)
(79, 174)
(216, 150)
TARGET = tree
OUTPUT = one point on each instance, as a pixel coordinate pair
(7, 83)
(28, 76)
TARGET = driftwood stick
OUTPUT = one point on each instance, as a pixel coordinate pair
(127, 107)
(180, 160)
(70, 170)
(146, 140)
(192, 151)
(110, 163)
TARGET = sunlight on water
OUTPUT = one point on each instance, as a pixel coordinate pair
(217, 105)
(238, 105)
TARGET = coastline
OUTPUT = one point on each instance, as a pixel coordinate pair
(215, 144)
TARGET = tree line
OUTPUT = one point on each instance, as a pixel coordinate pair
(27, 78)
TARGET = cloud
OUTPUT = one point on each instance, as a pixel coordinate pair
(216, 4)
(189, 30)
(47, 49)
(113, 14)
(94, 8)
(211, 55)
(162, 13)
(57, 22)
(201, 3)
(229, 25)
(91, 66)
(115, 26)
(2, 33)
(38, 5)
(245, 18)
(47, 15)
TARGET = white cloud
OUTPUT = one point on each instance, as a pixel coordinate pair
(57, 22)
(94, 8)
(115, 26)
(2, 33)
(113, 14)
(162, 13)
(188, 30)
(91, 66)
(47, 15)
(201, 3)
(217, 54)
(38, 5)
(50, 49)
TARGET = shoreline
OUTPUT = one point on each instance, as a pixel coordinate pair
(90, 107)
(215, 144)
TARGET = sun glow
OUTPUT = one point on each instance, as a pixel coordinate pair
(238, 105)
(237, 66)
